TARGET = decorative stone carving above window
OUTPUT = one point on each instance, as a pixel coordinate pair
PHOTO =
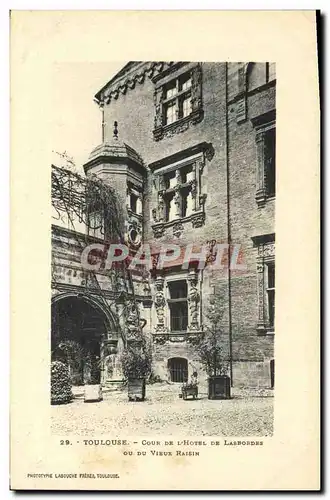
(178, 99)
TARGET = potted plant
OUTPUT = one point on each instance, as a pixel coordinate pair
(136, 366)
(211, 351)
(92, 386)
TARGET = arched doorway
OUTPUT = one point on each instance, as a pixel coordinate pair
(78, 327)
(178, 368)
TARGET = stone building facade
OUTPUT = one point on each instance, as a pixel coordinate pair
(189, 148)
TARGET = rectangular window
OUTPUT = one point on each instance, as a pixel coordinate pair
(185, 82)
(170, 90)
(270, 171)
(271, 293)
(95, 225)
(170, 180)
(184, 106)
(178, 179)
(170, 112)
(178, 305)
(177, 99)
(169, 206)
(133, 202)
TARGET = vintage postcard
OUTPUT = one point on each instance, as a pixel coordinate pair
(165, 242)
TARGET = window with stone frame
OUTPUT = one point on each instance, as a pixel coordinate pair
(178, 305)
(265, 245)
(134, 199)
(178, 197)
(270, 290)
(265, 128)
(269, 161)
(178, 99)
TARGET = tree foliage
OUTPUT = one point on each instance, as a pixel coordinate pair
(61, 390)
(211, 349)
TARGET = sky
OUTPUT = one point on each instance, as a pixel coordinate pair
(76, 118)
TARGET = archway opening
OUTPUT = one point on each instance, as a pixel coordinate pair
(78, 327)
(178, 368)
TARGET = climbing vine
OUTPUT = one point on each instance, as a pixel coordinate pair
(77, 198)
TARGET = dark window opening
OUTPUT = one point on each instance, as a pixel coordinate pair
(133, 202)
(179, 317)
(270, 157)
(185, 171)
(168, 179)
(169, 206)
(178, 306)
(184, 200)
(178, 368)
(178, 289)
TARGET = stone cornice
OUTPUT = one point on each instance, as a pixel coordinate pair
(261, 239)
(202, 147)
(136, 74)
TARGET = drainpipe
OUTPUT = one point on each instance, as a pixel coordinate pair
(228, 232)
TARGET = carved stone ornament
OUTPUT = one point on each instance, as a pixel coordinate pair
(209, 153)
(160, 303)
(266, 250)
(158, 230)
(177, 229)
(260, 267)
(177, 338)
(178, 126)
(132, 322)
(193, 299)
(198, 219)
(160, 339)
(149, 70)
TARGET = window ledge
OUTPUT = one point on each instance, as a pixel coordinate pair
(179, 125)
(262, 199)
(190, 337)
(197, 219)
(263, 331)
(134, 214)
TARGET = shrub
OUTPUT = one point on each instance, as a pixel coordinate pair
(136, 362)
(211, 348)
(61, 391)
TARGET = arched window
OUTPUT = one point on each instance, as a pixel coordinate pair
(178, 368)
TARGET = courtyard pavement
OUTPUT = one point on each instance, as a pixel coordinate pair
(248, 413)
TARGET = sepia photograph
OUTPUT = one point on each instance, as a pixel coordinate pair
(157, 337)
(163, 249)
